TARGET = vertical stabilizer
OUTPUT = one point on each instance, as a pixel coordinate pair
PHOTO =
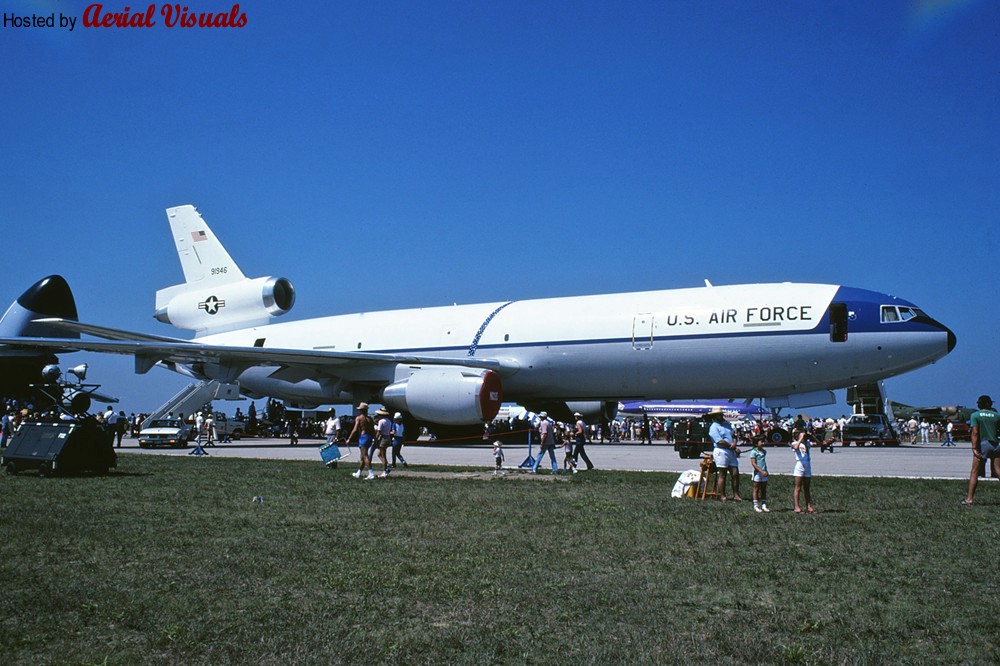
(49, 297)
(215, 295)
(204, 261)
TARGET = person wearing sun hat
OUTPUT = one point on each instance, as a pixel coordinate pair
(362, 433)
(724, 453)
(383, 438)
(580, 437)
(546, 442)
(398, 430)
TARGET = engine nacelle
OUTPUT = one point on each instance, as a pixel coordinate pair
(594, 411)
(447, 394)
(227, 306)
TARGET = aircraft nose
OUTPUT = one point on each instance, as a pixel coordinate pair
(952, 340)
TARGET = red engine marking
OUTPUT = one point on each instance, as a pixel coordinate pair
(490, 396)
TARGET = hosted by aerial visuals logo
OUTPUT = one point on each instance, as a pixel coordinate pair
(99, 15)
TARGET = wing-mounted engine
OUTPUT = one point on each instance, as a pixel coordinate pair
(593, 411)
(222, 307)
(451, 395)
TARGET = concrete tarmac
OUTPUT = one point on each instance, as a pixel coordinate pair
(918, 461)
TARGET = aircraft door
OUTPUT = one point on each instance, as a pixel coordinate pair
(642, 331)
(838, 322)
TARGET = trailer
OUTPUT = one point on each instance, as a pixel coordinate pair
(691, 438)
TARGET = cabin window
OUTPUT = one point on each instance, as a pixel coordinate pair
(506, 337)
(838, 322)
(259, 342)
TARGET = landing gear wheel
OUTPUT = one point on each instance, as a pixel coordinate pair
(10, 468)
(45, 469)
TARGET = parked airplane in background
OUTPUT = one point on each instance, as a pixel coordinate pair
(732, 409)
(788, 343)
(906, 412)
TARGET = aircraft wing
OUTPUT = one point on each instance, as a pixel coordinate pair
(104, 331)
(315, 362)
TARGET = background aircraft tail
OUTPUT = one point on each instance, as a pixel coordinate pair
(215, 296)
(47, 298)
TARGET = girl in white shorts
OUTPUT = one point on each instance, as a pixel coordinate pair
(802, 471)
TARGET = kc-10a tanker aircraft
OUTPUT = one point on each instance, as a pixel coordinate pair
(453, 366)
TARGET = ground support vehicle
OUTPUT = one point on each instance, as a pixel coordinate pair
(225, 426)
(691, 438)
(64, 446)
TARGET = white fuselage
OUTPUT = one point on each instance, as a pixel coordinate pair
(713, 342)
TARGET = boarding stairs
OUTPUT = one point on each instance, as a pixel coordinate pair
(192, 397)
(871, 399)
(868, 399)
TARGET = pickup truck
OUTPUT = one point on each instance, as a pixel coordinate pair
(225, 425)
(872, 429)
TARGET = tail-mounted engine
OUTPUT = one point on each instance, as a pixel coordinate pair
(221, 307)
(447, 394)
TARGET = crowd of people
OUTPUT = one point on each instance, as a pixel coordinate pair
(388, 435)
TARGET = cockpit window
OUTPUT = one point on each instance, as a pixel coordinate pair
(889, 314)
(892, 313)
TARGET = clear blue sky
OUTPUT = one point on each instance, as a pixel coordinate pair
(503, 150)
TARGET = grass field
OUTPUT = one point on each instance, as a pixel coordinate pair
(167, 560)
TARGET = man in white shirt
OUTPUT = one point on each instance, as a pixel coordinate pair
(383, 439)
(948, 441)
(332, 427)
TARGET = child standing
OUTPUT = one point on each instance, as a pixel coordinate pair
(803, 470)
(758, 458)
(498, 457)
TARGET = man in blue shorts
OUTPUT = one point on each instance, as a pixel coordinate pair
(362, 433)
(985, 444)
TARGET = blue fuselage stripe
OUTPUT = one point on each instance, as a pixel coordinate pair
(817, 331)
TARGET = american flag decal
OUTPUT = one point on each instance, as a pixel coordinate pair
(199, 236)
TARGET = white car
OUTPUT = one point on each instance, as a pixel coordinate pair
(164, 432)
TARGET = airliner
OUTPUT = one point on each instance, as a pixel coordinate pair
(789, 343)
(733, 409)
